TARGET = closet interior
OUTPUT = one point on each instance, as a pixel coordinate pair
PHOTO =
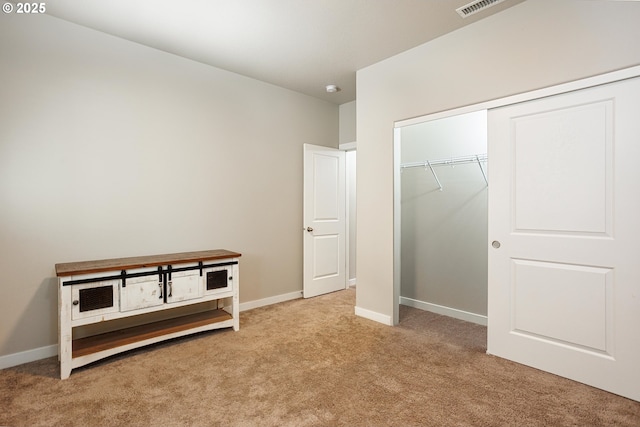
(444, 187)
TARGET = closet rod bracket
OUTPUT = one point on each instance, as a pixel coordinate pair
(434, 175)
(484, 175)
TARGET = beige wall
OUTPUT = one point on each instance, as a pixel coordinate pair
(111, 149)
(348, 122)
(529, 46)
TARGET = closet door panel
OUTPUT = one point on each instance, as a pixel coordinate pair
(576, 170)
(564, 235)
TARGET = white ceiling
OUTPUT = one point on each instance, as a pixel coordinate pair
(302, 45)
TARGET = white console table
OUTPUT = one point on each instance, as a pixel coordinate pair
(92, 292)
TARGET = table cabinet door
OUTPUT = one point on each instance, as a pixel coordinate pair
(184, 285)
(218, 280)
(142, 292)
(94, 299)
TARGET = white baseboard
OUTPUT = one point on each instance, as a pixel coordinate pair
(372, 315)
(16, 359)
(446, 311)
(249, 305)
(352, 283)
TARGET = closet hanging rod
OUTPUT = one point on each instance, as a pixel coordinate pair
(451, 161)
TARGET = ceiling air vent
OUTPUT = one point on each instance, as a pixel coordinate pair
(476, 6)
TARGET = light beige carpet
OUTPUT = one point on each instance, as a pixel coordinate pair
(310, 363)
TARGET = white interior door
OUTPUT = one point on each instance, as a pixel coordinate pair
(324, 220)
(564, 233)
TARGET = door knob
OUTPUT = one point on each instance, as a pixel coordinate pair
(495, 244)
(309, 229)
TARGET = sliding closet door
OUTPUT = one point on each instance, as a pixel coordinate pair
(564, 235)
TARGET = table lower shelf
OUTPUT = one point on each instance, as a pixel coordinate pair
(126, 337)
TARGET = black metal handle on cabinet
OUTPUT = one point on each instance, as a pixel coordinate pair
(160, 282)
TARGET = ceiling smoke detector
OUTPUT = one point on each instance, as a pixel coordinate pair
(476, 6)
(332, 89)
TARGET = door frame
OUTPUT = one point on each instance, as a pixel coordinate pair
(347, 148)
(626, 73)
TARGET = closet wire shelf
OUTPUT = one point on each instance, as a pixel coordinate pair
(451, 161)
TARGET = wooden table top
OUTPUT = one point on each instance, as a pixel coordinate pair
(97, 266)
